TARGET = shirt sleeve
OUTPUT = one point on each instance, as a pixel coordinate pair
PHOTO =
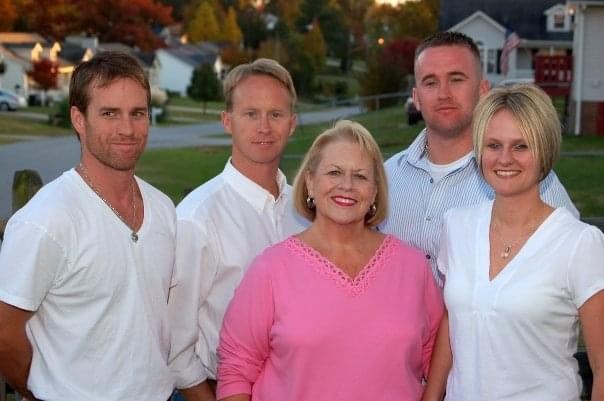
(244, 338)
(30, 262)
(586, 268)
(195, 269)
(443, 249)
(554, 194)
(433, 301)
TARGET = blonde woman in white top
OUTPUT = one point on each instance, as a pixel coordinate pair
(520, 275)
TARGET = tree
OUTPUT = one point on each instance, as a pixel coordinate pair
(204, 25)
(252, 26)
(414, 19)
(44, 72)
(9, 15)
(314, 46)
(389, 67)
(204, 85)
(231, 31)
(131, 22)
(53, 18)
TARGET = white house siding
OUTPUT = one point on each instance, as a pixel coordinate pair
(174, 74)
(593, 67)
(13, 77)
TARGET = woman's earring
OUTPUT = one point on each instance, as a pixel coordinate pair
(310, 202)
(372, 210)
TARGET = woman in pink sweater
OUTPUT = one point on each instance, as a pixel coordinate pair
(339, 311)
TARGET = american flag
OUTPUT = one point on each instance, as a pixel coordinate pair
(511, 42)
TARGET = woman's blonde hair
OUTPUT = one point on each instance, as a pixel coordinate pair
(535, 115)
(353, 132)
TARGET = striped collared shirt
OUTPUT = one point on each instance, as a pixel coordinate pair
(418, 203)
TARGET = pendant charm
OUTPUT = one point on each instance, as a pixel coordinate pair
(506, 252)
(134, 237)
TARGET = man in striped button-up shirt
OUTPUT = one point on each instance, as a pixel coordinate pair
(438, 171)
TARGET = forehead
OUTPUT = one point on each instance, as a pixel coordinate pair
(345, 152)
(120, 91)
(446, 59)
(261, 90)
(504, 124)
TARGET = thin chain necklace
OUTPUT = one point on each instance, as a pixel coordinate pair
(507, 247)
(134, 236)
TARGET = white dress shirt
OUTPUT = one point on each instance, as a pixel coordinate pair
(222, 226)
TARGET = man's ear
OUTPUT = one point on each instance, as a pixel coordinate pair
(416, 99)
(225, 116)
(78, 120)
(485, 85)
(294, 124)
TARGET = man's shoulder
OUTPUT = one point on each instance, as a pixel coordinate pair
(203, 198)
(396, 159)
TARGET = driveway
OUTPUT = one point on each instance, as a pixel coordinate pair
(50, 157)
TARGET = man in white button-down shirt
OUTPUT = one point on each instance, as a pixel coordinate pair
(227, 221)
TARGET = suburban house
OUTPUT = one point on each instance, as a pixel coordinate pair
(543, 27)
(18, 52)
(176, 64)
(587, 95)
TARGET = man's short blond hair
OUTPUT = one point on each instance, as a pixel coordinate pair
(261, 66)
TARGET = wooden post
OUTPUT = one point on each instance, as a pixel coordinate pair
(25, 185)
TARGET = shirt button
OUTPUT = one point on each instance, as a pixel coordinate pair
(428, 218)
(431, 180)
(428, 257)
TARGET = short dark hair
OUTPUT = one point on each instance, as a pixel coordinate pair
(448, 38)
(101, 70)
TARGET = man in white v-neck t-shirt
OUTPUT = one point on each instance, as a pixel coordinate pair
(86, 265)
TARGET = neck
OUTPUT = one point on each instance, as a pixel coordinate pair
(520, 210)
(445, 149)
(264, 175)
(339, 235)
(111, 182)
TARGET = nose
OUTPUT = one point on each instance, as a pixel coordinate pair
(126, 126)
(346, 181)
(505, 157)
(444, 90)
(264, 123)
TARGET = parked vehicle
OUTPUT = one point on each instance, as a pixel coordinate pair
(11, 101)
(413, 114)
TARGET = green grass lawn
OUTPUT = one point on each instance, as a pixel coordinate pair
(175, 171)
(19, 126)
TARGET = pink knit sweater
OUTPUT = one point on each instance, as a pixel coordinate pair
(299, 329)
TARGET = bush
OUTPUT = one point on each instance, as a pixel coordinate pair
(60, 115)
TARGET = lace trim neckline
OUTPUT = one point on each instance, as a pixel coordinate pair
(325, 267)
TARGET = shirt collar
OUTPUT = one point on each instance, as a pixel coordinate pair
(257, 196)
(416, 153)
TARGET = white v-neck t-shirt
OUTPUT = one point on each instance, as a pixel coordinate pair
(513, 337)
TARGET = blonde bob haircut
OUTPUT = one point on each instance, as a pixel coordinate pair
(261, 66)
(352, 132)
(535, 115)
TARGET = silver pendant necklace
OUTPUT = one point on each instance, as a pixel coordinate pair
(134, 235)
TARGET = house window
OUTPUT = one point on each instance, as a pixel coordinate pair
(559, 21)
(488, 58)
